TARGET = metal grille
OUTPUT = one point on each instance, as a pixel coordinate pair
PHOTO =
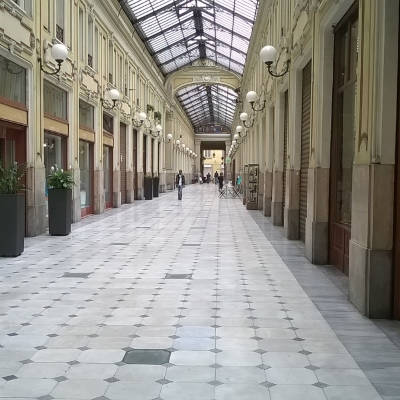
(285, 139)
(305, 147)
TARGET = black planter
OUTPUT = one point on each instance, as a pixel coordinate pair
(60, 203)
(12, 224)
(156, 182)
(148, 188)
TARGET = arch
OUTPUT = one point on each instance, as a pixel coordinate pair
(202, 75)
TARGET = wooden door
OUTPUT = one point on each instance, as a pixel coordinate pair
(144, 154)
(152, 157)
(122, 161)
(342, 143)
(305, 147)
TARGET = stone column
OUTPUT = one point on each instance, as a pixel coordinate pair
(155, 158)
(140, 172)
(371, 263)
(277, 186)
(162, 171)
(148, 154)
(269, 161)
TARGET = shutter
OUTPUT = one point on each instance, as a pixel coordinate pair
(122, 162)
(285, 140)
(135, 166)
(305, 146)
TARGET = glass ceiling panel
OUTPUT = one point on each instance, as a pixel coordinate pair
(213, 103)
(179, 32)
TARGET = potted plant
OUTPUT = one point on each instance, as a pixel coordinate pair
(12, 210)
(156, 183)
(148, 187)
(60, 185)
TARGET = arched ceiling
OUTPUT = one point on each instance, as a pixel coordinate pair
(179, 33)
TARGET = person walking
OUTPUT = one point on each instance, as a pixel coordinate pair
(208, 177)
(180, 183)
(221, 181)
(216, 177)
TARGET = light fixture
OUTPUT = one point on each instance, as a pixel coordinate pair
(156, 132)
(59, 52)
(244, 117)
(178, 142)
(268, 56)
(252, 97)
(114, 96)
(236, 136)
(139, 122)
(169, 137)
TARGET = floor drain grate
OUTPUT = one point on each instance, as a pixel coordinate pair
(76, 275)
(146, 356)
(190, 244)
(119, 244)
(178, 276)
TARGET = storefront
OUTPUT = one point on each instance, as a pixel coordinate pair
(86, 175)
(122, 164)
(108, 175)
(342, 144)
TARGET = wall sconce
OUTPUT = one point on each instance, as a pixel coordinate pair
(268, 56)
(60, 53)
(114, 96)
(142, 117)
(252, 97)
(157, 131)
(169, 137)
(244, 117)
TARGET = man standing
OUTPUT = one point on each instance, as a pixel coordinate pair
(180, 183)
(216, 177)
(221, 181)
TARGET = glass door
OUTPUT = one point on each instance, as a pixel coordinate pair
(343, 134)
(108, 175)
(86, 172)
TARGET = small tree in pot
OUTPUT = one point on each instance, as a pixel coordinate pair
(60, 185)
(12, 210)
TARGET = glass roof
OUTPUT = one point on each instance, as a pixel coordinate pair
(205, 105)
(179, 32)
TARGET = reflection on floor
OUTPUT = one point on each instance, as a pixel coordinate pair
(196, 278)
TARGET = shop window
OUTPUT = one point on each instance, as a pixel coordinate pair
(12, 82)
(55, 101)
(55, 152)
(86, 115)
(25, 5)
(60, 18)
(107, 167)
(108, 123)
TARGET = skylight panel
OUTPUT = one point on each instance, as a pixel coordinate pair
(158, 43)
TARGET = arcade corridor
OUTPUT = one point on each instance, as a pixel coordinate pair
(200, 278)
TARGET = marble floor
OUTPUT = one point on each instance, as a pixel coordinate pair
(198, 278)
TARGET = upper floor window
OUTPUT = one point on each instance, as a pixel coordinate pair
(81, 36)
(13, 81)
(108, 123)
(110, 61)
(26, 5)
(55, 101)
(60, 18)
(90, 41)
(86, 115)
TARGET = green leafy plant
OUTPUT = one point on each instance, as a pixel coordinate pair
(60, 179)
(11, 178)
